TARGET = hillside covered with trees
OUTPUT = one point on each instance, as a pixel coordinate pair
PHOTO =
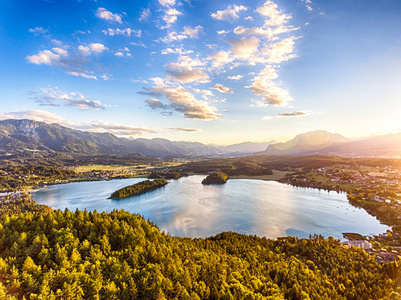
(118, 255)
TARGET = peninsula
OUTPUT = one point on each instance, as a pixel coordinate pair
(138, 188)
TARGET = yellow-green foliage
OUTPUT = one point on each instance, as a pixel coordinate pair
(139, 188)
(215, 178)
(118, 255)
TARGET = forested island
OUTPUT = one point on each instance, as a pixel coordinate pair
(216, 178)
(138, 188)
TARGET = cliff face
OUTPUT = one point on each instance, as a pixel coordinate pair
(216, 178)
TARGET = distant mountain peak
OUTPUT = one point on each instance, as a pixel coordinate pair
(306, 143)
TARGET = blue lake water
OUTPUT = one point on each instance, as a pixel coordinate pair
(186, 208)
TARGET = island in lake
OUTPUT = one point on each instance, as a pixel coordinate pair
(216, 178)
(138, 188)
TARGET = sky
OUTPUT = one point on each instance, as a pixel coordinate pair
(219, 72)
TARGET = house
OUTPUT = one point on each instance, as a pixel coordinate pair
(359, 243)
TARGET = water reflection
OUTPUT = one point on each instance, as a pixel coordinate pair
(185, 207)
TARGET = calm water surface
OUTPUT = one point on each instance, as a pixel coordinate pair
(187, 208)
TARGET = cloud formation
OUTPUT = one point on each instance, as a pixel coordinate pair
(182, 129)
(34, 114)
(170, 17)
(73, 62)
(229, 14)
(94, 48)
(236, 77)
(38, 31)
(106, 15)
(243, 48)
(55, 97)
(181, 100)
(264, 85)
(145, 15)
(126, 31)
(221, 88)
(116, 129)
(293, 114)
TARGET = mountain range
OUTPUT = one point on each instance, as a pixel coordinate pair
(324, 142)
(27, 136)
(17, 136)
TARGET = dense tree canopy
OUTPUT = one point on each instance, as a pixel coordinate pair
(118, 255)
(138, 188)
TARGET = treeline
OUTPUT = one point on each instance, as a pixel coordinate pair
(263, 164)
(14, 178)
(167, 175)
(118, 255)
(138, 188)
(18, 204)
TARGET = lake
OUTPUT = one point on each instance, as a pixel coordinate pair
(186, 208)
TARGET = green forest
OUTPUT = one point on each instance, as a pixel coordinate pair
(215, 178)
(46, 254)
(138, 188)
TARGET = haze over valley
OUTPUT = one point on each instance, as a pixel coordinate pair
(185, 149)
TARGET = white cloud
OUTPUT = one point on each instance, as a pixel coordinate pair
(308, 4)
(193, 32)
(145, 15)
(92, 48)
(275, 16)
(55, 97)
(236, 77)
(73, 63)
(264, 85)
(104, 14)
(126, 31)
(249, 18)
(170, 17)
(185, 71)
(181, 100)
(229, 14)
(221, 32)
(269, 32)
(221, 88)
(123, 52)
(204, 92)
(60, 51)
(179, 51)
(280, 51)
(243, 48)
(38, 30)
(188, 32)
(34, 114)
(46, 57)
(173, 36)
(167, 2)
(138, 44)
(221, 58)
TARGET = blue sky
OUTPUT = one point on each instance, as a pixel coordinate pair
(209, 71)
